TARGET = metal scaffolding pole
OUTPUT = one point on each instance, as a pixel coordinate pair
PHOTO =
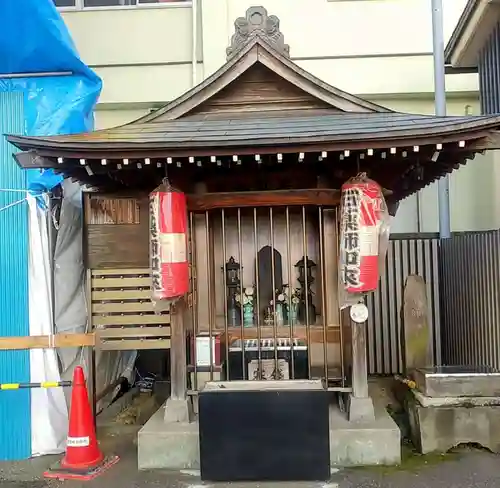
(440, 103)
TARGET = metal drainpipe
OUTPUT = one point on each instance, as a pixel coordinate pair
(194, 54)
(419, 212)
(440, 101)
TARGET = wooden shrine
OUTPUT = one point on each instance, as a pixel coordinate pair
(261, 148)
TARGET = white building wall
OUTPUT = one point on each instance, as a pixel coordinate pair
(473, 188)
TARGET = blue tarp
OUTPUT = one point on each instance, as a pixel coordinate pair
(34, 39)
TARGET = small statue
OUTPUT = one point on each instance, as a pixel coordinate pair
(306, 310)
(269, 317)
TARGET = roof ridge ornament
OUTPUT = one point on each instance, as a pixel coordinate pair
(257, 23)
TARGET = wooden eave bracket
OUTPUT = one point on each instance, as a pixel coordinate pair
(489, 142)
(31, 160)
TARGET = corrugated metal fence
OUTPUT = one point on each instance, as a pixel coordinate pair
(470, 271)
(462, 275)
(407, 254)
(15, 409)
(489, 73)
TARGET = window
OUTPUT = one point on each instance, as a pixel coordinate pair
(64, 3)
(109, 3)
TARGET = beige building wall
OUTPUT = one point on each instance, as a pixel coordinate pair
(143, 55)
(378, 49)
(361, 46)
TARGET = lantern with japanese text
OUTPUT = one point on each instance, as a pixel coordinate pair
(168, 244)
(364, 227)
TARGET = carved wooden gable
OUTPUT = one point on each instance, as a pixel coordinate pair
(260, 79)
(260, 92)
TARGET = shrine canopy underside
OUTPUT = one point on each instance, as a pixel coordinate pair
(261, 111)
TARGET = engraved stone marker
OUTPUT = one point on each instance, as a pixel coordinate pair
(416, 331)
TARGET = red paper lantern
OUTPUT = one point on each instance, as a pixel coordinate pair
(168, 243)
(362, 204)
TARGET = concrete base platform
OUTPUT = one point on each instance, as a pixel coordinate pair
(179, 411)
(444, 423)
(367, 443)
(172, 445)
(360, 409)
(458, 381)
(176, 445)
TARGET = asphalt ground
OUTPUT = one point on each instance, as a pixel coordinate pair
(463, 468)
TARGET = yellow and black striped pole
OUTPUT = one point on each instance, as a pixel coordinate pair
(45, 384)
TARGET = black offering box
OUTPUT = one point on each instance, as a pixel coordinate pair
(264, 431)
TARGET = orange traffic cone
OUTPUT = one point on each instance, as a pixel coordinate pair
(83, 459)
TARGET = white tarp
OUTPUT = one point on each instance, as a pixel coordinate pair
(49, 412)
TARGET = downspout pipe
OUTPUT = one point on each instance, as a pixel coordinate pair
(194, 39)
(440, 104)
(419, 212)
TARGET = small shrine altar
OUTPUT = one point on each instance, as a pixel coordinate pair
(275, 251)
(270, 303)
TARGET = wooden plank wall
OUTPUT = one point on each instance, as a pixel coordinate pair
(116, 231)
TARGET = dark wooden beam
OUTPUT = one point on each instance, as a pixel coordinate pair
(31, 160)
(209, 201)
(491, 141)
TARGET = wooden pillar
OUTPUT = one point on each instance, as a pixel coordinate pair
(330, 300)
(330, 237)
(359, 365)
(360, 403)
(178, 374)
(178, 407)
(202, 262)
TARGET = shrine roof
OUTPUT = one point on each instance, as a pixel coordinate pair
(346, 130)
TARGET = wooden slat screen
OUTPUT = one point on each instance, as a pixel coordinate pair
(109, 211)
(123, 315)
(116, 233)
